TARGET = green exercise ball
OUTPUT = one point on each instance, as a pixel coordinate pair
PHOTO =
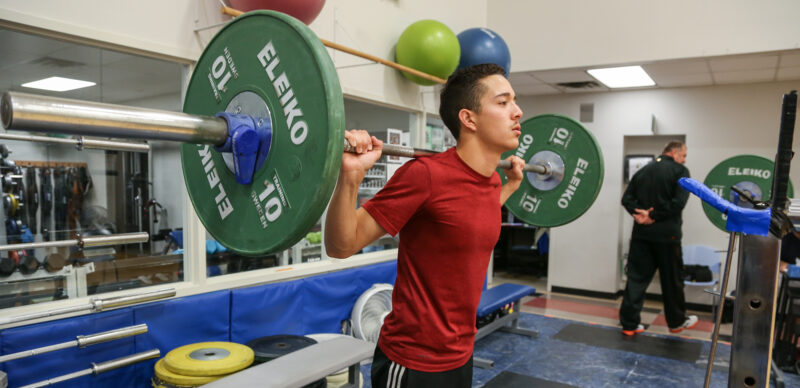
(428, 46)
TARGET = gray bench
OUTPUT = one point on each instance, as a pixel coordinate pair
(304, 366)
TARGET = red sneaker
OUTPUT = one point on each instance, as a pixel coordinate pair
(638, 330)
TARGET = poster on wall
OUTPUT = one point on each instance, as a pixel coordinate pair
(393, 136)
(396, 136)
(634, 163)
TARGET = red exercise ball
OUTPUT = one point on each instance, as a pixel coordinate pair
(305, 10)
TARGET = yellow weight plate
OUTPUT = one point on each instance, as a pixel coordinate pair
(167, 377)
(208, 359)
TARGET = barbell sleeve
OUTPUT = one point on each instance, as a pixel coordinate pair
(30, 112)
(80, 341)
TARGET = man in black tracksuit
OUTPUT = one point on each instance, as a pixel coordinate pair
(655, 200)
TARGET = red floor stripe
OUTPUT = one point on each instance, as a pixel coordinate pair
(575, 307)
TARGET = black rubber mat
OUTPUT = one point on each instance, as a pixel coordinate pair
(672, 348)
(508, 379)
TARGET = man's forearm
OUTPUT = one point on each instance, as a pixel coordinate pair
(341, 222)
(508, 189)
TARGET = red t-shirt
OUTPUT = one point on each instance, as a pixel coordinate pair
(448, 218)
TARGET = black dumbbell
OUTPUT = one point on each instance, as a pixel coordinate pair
(28, 264)
(7, 266)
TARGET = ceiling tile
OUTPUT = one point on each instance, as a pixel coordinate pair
(556, 76)
(744, 62)
(789, 73)
(744, 76)
(529, 90)
(522, 79)
(676, 68)
(671, 81)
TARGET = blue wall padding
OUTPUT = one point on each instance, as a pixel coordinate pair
(177, 322)
(53, 364)
(266, 310)
(327, 298)
(315, 304)
(385, 272)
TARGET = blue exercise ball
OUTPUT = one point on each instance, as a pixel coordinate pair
(482, 45)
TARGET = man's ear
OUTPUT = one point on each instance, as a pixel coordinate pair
(468, 119)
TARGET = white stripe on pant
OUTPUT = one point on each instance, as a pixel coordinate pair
(395, 375)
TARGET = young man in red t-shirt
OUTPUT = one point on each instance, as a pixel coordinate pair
(446, 208)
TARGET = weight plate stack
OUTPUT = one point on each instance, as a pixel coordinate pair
(749, 173)
(168, 379)
(575, 165)
(208, 359)
(271, 66)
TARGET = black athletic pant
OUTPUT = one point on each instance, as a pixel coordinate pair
(643, 260)
(389, 374)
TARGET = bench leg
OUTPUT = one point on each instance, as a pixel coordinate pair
(482, 363)
(353, 376)
(514, 328)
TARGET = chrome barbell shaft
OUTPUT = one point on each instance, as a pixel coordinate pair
(80, 341)
(91, 241)
(98, 368)
(410, 152)
(95, 304)
(81, 142)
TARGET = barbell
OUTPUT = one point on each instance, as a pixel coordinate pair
(266, 84)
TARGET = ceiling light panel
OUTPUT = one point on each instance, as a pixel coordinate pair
(622, 77)
(58, 84)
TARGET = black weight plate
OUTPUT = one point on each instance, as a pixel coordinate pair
(272, 347)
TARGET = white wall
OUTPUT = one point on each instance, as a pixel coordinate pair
(718, 122)
(544, 34)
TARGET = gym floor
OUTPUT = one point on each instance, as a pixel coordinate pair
(580, 345)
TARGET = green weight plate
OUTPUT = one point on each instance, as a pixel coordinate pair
(750, 173)
(269, 65)
(576, 162)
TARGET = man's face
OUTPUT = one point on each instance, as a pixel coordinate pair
(679, 155)
(498, 121)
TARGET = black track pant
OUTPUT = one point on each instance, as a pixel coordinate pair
(389, 374)
(643, 260)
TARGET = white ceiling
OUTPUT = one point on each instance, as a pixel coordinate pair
(733, 69)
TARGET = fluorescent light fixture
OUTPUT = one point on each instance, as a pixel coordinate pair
(58, 84)
(622, 77)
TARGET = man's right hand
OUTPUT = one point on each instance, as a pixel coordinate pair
(641, 216)
(368, 151)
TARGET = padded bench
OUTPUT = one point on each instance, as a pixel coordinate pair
(494, 299)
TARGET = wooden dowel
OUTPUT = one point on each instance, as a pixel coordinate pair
(39, 163)
(235, 12)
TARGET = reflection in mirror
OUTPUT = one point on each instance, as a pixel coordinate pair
(54, 192)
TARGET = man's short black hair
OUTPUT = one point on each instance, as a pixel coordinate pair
(673, 145)
(463, 90)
